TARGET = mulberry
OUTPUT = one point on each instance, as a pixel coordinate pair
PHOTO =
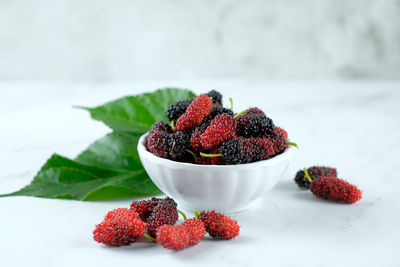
(315, 172)
(221, 129)
(219, 226)
(195, 113)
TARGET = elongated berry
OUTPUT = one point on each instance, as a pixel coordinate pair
(221, 129)
(195, 113)
(335, 189)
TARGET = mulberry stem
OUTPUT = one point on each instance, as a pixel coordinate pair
(196, 214)
(307, 175)
(173, 125)
(150, 237)
(231, 101)
(293, 144)
(183, 214)
(193, 154)
(210, 155)
(241, 113)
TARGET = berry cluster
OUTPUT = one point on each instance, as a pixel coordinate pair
(324, 183)
(202, 131)
(155, 219)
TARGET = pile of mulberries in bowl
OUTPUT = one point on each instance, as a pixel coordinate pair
(202, 131)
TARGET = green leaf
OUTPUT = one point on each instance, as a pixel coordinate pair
(64, 178)
(114, 152)
(109, 168)
(136, 114)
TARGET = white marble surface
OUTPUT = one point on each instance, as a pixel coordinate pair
(353, 126)
(276, 39)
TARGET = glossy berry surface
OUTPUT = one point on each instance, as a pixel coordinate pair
(120, 227)
(335, 189)
(221, 129)
(174, 237)
(196, 230)
(195, 113)
(254, 125)
(256, 149)
(232, 151)
(165, 212)
(219, 226)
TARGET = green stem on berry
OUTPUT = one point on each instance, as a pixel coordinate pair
(307, 175)
(150, 237)
(231, 101)
(196, 214)
(183, 214)
(193, 154)
(210, 155)
(173, 125)
(241, 113)
(293, 144)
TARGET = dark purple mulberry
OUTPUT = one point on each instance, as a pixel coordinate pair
(178, 143)
(216, 97)
(254, 125)
(161, 126)
(232, 151)
(316, 172)
(165, 212)
(256, 149)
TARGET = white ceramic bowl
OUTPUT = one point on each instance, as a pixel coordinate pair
(224, 188)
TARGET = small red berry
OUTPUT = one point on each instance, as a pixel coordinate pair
(219, 225)
(120, 227)
(195, 113)
(196, 230)
(120, 212)
(175, 237)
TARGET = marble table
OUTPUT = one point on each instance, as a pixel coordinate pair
(352, 126)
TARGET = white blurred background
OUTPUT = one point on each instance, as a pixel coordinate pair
(121, 40)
